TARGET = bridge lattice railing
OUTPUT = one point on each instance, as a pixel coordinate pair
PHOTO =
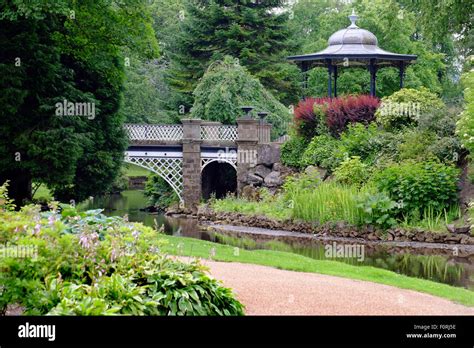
(219, 132)
(157, 132)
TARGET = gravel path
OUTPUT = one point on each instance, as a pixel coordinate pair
(270, 291)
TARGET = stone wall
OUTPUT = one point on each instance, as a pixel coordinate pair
(268, 171)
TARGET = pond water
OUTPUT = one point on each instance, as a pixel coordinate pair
(422, 263)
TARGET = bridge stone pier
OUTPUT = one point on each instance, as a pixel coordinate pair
(247, 149)
(191, 162)
(180, 153)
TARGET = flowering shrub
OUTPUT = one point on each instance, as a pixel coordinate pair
(465, 125)
(88, 264)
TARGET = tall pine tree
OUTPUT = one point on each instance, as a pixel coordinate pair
(253, 31)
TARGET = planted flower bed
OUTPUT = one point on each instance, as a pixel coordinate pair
(89, 264)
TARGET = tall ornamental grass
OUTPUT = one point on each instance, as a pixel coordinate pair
(330, 201)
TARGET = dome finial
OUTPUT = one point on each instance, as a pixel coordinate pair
(353, 17)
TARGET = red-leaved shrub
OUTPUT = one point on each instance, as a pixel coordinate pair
(351, 109)
(338, 113)
(307, 122)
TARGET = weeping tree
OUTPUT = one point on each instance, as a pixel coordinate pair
(226, 86)
(255, 32)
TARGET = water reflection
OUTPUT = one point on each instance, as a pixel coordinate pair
(458, 271)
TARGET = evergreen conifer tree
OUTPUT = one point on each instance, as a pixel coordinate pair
(253, 31)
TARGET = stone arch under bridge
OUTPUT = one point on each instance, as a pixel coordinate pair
(179, 153)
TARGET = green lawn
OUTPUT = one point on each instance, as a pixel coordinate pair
(43, 193)
(133, 170)
(193, 247)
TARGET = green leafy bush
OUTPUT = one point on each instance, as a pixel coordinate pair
(89, 264)
(404, 107)
(6, 203)
(442, 122)
(379, 209)
(120, 183)
(352, 172)
(446, 149)
(417, 186)
(160, 193)
(291, 151)
(324, 151)
(328, 152)
(360, 140)
(414, 145)
(387, 143)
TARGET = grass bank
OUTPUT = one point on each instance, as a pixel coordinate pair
(198, 248)
(133, 170)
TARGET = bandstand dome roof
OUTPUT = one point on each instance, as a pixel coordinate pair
(355, 44)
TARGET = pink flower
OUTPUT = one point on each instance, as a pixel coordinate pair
(88, 240)
(84, 241)
(51, 219)
(37, 229)
(113, 255)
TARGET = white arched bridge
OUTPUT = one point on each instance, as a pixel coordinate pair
(180, 153)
